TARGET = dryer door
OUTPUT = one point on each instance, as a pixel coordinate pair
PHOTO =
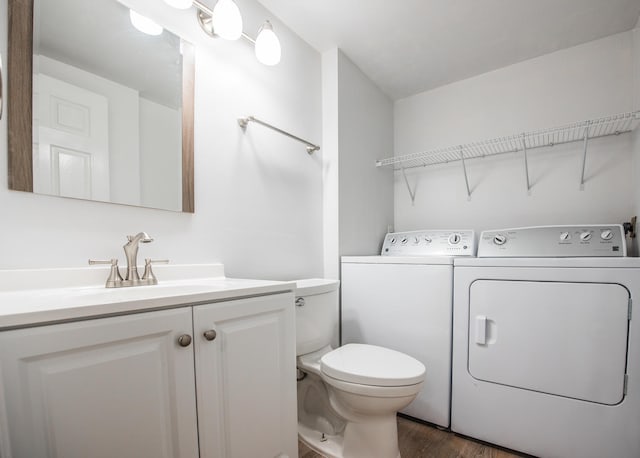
(562, 338)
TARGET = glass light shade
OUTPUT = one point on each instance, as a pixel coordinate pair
(268, 50)
(226, 21)
(144, 24)
(179, 4)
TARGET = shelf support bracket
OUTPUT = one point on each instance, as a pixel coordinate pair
(412, 194)
(464, 170)
(584, 154)
(526, 163)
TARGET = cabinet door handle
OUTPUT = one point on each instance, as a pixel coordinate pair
(210, 334)
(184, 340)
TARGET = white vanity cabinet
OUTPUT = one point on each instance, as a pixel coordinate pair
(102, 388)
(142, 385)
(245, 378)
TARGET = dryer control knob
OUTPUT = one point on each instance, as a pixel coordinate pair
(565, 236)
(499, 239)
(404, 240)
(416, 240)
(585, 236)
(454, 239)
(393, 240)
(428, 239)
(606, 234)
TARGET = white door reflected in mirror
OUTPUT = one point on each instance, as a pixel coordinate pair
(71, 140)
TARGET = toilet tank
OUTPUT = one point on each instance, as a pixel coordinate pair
(316, 314)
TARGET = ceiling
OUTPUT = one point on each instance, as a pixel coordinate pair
(410, 46)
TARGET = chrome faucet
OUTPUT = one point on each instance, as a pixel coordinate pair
(131, 252)
(132, 278)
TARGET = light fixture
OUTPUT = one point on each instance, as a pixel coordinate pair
(179, 4)
(268, 49)
(225, 21)
(144, 24)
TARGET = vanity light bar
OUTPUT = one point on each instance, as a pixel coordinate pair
(266, 45)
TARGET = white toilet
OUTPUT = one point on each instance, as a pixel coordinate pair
(348, 397)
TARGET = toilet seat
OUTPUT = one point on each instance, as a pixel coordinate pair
(370, 365)
(372, 390)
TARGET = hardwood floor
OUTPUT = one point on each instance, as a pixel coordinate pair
(422, 441)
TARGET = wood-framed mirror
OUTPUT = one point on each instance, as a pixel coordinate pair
(132, 118)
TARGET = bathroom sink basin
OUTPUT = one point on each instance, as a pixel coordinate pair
(162, 289)
(25, 301)
(99, 294)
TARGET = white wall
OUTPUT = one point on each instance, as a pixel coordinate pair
(160, 166)
(362, 133)
(331, 164)
(258, 194)
(366, 134)
(590, 80)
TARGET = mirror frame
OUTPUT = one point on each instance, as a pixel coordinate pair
(20, 105)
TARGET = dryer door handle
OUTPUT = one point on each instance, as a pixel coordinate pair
(481, 330)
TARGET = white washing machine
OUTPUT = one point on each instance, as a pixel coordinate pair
(546, 355)
(403, 300)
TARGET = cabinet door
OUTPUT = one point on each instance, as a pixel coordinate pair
(110, 387)
(245, 378)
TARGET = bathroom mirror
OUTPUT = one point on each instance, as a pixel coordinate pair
(97, 109)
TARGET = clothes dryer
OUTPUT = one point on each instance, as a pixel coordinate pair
(403, 300)
(546, 353)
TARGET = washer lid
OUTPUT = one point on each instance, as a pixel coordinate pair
(372, 365)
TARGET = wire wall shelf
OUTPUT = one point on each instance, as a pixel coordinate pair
(577, 131)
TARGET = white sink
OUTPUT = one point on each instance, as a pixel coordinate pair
(53, 296)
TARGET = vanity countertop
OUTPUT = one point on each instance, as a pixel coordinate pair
(22, 306)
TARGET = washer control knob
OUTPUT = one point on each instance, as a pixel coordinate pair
(393, 240)
(428, 239)
(416, 240)
(404, 240)
(606, 234)
(454, 239)
(585, 236)
(499, 239)
(565, 236)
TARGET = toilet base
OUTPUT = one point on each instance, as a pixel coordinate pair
(324, 444)
(333, 446)
(377, 437)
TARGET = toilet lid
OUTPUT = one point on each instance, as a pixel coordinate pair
(372, 365)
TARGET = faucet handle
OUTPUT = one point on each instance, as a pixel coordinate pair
(148, 272)
(115, 279)
(111, 261)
